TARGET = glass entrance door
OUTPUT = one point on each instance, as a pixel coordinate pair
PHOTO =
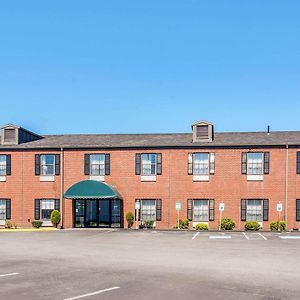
(97, 213)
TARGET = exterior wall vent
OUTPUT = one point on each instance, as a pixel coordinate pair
(203, 131)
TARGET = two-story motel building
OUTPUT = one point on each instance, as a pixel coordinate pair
(94, 179)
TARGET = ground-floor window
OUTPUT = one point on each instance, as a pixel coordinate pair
(150, 210)
(255, 210)
(201, 210)
(44, 207)
(298, 210)
(5, 210)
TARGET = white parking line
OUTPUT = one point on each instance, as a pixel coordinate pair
(9, 274)
(220, 237)
(94, 293)
(195, 235)
(290, 237)
(245, 235)
(262, 236)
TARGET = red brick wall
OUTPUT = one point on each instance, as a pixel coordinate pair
(227, 185)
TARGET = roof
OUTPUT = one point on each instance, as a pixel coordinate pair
(170, 140)
(92, 189)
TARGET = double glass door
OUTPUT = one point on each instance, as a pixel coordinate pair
(97, 213)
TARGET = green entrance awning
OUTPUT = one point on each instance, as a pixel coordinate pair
(92, 189)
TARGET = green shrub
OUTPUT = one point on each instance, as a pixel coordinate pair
(274, 225)
(252, 225)
(148, 224)
(8, 224)
(130, 219)
(183, 224)
(227, 224)
(36, 223)
(14, 225)
(201, 226)
(55, 217)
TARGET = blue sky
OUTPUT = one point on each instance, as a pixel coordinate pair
(149, 66)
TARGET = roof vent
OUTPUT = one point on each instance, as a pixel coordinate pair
(203, 131)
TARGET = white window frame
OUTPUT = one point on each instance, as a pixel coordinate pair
(152, 210)
(202, 164)
(199, 219)
(46, 165)
(149, 164)
(255, 162)
(3, 165)
(259, 220)
(100, 163)
(46, 203)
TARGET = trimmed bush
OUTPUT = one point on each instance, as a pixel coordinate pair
(36, 223)
(148, 224)
(8, 224)
(183, 224)
(252, 225)
(227, 224)
(274, 225)
(55, 217)
(130, 219)
(201, 226)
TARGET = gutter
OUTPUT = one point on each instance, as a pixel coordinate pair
(286, 184)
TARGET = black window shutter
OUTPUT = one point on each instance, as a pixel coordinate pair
(107, 164)
(159, 164)
(138, 157)
(243, 209)
(158, 209)
(57, 164)
(298, 210)
(190, 209)
(138, 216)
(298, 162)
(266, 162)
(8, 165)
(37, 208)
(265, 210)
(86, 164)
(244, 163)
(56, 205)
(8, 209)
(212, 163)
(211, 210)
(37, 166)
(190, 163)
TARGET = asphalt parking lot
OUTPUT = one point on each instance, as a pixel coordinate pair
(98, 264)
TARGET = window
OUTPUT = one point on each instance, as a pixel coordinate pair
(148, 210)
(201, 164)
(2, 210)
(2, 165)
(149, 164)
(47, 206)
(298, 210)
(298, 163)
(255, 163)
(200, 211)
(254, 210)
(97, 164)
(48, 164)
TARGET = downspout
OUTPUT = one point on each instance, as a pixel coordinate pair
(62, 187)
(286, 184)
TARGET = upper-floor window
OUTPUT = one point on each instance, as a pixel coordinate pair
(201, 163)
(97, 164)
(148, 164)
(298, 162)
(48, 164)
(255, 163)
(5, 164)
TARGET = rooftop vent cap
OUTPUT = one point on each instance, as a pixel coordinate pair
(203, 131)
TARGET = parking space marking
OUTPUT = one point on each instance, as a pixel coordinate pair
(9, 274)
(262, 236)
(290, 237)
(94, 293)
(195, 235)
(220, 236)
(245, 235)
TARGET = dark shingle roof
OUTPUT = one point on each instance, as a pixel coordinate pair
(184, 140)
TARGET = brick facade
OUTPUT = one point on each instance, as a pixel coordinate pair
(227, 185)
